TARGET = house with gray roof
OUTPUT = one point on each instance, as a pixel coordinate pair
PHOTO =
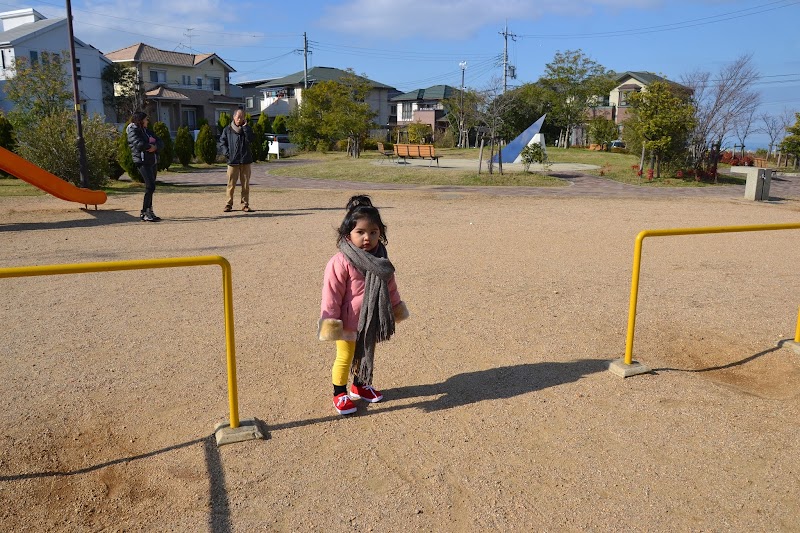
(280, 96)
(181, 89)
(28, 34)
(615, 106)
(425, 106)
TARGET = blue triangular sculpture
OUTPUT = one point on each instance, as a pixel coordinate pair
(514, 148)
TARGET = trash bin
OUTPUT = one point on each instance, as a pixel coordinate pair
(757, 186)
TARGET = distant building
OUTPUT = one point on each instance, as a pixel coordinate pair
(616, 105)
(181, 89)
(27, 33)
(425, 106)
(282, 95)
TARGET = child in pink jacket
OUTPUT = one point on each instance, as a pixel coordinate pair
(360, 303)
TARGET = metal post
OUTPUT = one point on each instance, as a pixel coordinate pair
(84, 172)
(463, 66)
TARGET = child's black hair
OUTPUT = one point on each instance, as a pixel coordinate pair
(359, 207)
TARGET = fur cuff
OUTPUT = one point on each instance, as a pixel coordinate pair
(400, 312)
(330, 329)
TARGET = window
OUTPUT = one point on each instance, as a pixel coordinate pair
(249, 102)
(189, 118)
(215, 84)
(199, 83)
(158, 76)
(406, 111)
(186, 80)
(34, 57)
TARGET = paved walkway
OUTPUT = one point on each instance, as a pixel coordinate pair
(580, 184)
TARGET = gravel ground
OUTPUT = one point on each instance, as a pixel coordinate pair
(499, 413)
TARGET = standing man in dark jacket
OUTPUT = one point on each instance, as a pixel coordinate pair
(144, 149)
(235, 141)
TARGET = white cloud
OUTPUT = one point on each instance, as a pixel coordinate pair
(452, 19)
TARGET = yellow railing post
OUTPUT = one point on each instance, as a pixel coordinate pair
(637, 263)
(797, 331)
(141, 264)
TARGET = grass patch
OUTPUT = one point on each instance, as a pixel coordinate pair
(340, 167)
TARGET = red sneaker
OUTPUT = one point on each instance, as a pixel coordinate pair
(366, 393)
(343, 404)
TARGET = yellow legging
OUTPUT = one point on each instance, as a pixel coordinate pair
(344, 358)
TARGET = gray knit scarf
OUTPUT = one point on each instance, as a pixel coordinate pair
(376, 321)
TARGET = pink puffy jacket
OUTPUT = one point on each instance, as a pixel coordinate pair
(343, 292)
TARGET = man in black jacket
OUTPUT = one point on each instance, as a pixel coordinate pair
(235, 142)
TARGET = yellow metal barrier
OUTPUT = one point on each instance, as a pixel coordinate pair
(637, 260)
(227, 289)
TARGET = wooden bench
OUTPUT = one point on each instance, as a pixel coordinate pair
(389, 154)
(422, 151)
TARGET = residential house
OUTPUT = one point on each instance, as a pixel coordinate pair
(252, 95)
(615, 106)
(27, 33)
(282, 95)
(181, 89)
(425, 106)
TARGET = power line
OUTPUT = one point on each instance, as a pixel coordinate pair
(672, 26)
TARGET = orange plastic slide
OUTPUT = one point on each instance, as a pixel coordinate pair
(49, 183)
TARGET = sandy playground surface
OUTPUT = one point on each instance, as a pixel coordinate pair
(499, 413)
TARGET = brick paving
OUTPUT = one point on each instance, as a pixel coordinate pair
(580, 184)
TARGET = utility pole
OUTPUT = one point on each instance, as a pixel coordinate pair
(84, 172)
(461, 135)
(305, 61)
(506, 35)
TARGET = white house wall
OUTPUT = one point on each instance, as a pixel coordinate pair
(57, 41)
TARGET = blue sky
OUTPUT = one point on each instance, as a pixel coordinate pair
(412, 44)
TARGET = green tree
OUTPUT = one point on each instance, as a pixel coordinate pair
(468, 116)
(167, 152)
(50, 144)
(527, 103)
(263, 121)
(124, 157)
(206, 146)
(256, 147)
(533, 153)
(418, 133)
(791, 143)
(602, 131)
(38, 90)
(574, 82)
(664, 120)
(224, 120)
(184, 146)
(8, 139)
(280, 125)
(127, 96)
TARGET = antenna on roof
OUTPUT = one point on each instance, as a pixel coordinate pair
(189, 35)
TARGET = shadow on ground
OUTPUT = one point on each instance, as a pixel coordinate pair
(473, 387)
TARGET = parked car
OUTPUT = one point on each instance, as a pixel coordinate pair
(617, 144)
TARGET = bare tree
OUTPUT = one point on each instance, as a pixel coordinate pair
(720, 100)
(491, 109)
(771, 126)
(744, 124)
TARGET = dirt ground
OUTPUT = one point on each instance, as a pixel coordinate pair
(499, 411)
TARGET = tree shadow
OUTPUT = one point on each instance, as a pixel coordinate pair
(473, 387)
(219, 518)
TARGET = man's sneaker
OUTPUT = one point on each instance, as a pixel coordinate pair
(228, 209)
(366, 393)
(148, 217)
(141, 215)
(155, 217)
(343, 404)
